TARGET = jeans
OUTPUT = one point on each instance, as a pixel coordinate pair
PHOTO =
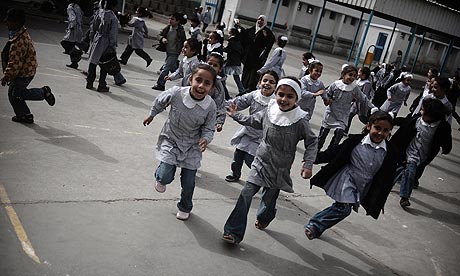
(238, 219)
(323, 132)
(407, 176)
(18, 94)
(239, 157)
(330, 216)
(129, 50)
(92, 75)
(169, 66)
(165, 175)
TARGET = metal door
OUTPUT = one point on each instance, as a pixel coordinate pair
(379, 45)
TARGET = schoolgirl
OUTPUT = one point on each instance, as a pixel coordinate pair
(283, 124)
(188, 63)
(311, 87)
(213, 44)
(398, 94)
(216, 60)
(340, 94)
(136, 39)
(277, 59)
(234, 52)
(186, 133)
(307, 57)
(359, 172)
(246, 140)
(359, 109)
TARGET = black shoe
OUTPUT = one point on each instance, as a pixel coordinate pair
(311, 232)
(122, 61)
(158, 87)
(149, 62)
(49, 97)
(103, 89)
(121, 82)
(72, 65)
(89, 85)
(404, 202)
(231, 178)
(27, 119)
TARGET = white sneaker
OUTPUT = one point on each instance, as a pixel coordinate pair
(182, 215)
(160, 187)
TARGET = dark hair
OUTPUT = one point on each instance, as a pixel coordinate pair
(219, 57)
(234, 32)
(220, 39)
(194, 45)
(434, 109)
(195, 20)
(434, 71)
(207, 67)
(347, 69)
(109, 4)
(366, 71)
(399, 52)
(308, 55)
(281, 42)
(443, 83)
(16, 15)
(313, 65)
(180, 17)
(271, 73)
(296, 81)
(378, 115)
(143, 11)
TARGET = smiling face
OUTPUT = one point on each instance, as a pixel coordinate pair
(260, 22)
(379, 130)
(214, 62)
(213, 38)
(267, 85)
(349, 77)
(316, 72)
(186, 50)
(201, 84)
(407, 81)
(286, 97)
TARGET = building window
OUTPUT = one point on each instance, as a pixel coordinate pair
(353, 21)
(285, 3)
(332, 15)
(345, 19)
(299, 7)
(402, 35)
(309, 9)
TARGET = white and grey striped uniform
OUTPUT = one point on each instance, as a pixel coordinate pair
(307, 100)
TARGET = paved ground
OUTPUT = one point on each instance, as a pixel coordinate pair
(80, 182)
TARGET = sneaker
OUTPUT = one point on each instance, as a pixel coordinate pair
(149, 62)
(49, 97)
(72, 65)
(310, 232)
(231, 178)
(27, 119)
(89, 85)
(121, 82)
(103, 89)
(404, 202)
(182, 215)
(158, 87)
(160, 187)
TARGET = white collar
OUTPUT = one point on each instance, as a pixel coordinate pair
(260, 98)
(345, 87)
(189, 59)
(367, 140)
(138, 18)
(311, 81)
(361, 82)
(434, 124)
(211, 47)
(190, 103)
(284, 118)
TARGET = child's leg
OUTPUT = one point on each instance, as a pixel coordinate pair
(323, 132)
(237, 163)
(238, 219)
(267, 211)
(328, 217)
(187, 180)
(144, 55)
(169, 66)
(18, 94)
(407, 180)
(338, 135)
(239, 84)
(126, 54)
(91, 75)
(248, 159)
(350, 119)
(119, 78)
(165, 173)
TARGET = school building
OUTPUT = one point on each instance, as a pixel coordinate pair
(426, 31)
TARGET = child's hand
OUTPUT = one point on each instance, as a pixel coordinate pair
(319, 93)
(203, 144)
(164, 40)
(167, 78)
(4, 81)
(231, 109)
(306, 173)
(148, 120)
(218, 127)
(327, 102)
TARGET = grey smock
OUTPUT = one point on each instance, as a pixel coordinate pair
(366, 88)
(275, 62)
(218, 95)
(342, 95)
(272, 164)
(399, 92)
(136, 39)
(247, 138)
(307, 100)
(185, 70)
(188, 121)
(104, 32)
(74, 32)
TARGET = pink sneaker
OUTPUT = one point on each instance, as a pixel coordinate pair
(182, 215)
(160, 187)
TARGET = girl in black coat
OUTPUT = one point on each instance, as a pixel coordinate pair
(234, 52)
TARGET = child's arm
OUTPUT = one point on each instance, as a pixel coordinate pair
(242, 102)
(391, 91)
(255, 120)
(219, 99)
(359, 96)
(207, 130)
(178, 73)
(311, 149)
(160, 103)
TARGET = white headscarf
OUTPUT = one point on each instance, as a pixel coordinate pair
(265, 23)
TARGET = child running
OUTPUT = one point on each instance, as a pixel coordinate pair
(217, 93)
(311, 87)
(398, 94)
(234, 52)
(136, 39)
(359, 172)
(246, 140)
(338, 99)
(366, 87)
(277, 59)
(284, 124)
(188, 63)
(186, 133)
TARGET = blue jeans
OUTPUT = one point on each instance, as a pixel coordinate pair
(239, 157)
(18, 94)
(169, 66)
(238, 219)
(165, 175)
(407, 176)
(330, 217)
